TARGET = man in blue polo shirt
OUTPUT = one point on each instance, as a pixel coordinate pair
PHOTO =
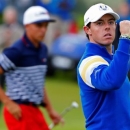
(102, 76)
(24, 65)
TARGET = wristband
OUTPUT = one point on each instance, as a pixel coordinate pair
(125, 36)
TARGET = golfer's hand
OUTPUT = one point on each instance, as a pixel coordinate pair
(125, 27)
(14, 109)
(56, 118)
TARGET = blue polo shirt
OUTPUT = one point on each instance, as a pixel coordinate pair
(105, 87)
(25, 67)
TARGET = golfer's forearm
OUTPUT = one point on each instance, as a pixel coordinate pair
(1, 71)
(3, 98)
(48, 107)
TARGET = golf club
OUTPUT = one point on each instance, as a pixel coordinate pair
(67, 109)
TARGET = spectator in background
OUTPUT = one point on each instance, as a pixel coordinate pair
(21, 6)
(10, 30)
(61, 10)
(124, 12)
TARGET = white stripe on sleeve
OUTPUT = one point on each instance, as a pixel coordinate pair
(6, 63)
(88, 65)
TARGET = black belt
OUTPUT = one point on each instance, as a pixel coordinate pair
(24, 102)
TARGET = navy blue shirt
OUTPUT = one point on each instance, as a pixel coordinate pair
(25, 67)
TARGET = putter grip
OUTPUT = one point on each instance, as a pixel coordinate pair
(51, 126)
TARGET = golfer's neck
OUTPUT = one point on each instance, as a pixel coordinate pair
(109, 49)
(33, 41)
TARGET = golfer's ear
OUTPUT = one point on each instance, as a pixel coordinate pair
(87, 30)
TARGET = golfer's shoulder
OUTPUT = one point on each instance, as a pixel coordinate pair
(17, 46)
(44, 47)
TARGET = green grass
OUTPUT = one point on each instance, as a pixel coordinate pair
(62, 91)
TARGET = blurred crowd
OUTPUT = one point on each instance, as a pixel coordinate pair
(11, 27)
(62, 10)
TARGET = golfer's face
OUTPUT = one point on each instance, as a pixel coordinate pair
(38, 31)
(103, 30)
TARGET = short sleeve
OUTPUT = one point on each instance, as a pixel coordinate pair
(9, 58)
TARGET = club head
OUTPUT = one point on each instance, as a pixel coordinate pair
(74, 104)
